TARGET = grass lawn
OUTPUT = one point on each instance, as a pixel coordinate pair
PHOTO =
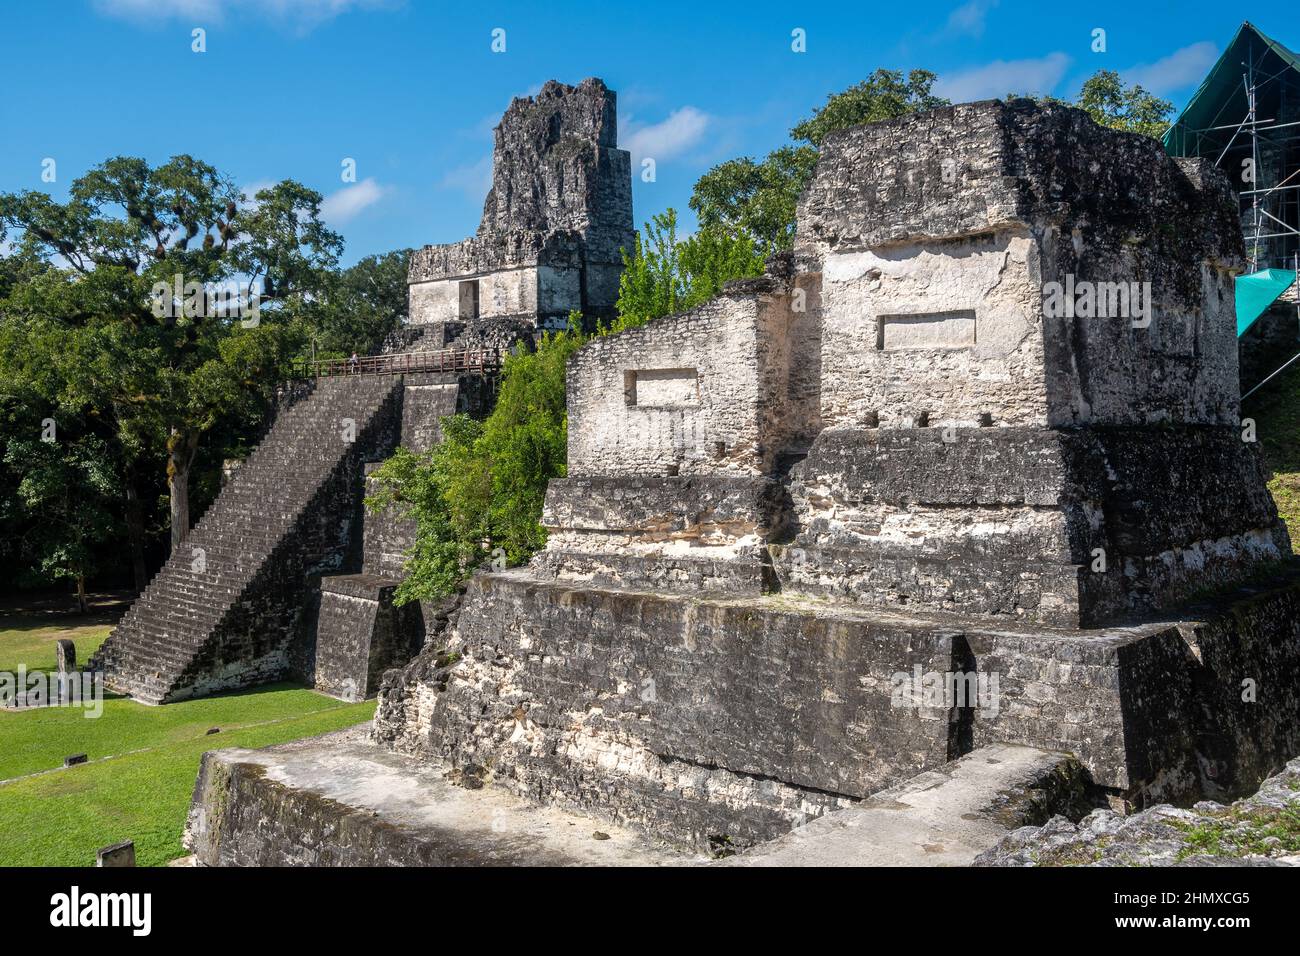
(62, 818)
(27, 637)
(144, 760)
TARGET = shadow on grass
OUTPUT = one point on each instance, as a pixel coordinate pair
(30, 612)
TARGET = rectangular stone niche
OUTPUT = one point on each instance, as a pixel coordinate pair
(662, 387)
(931, 330)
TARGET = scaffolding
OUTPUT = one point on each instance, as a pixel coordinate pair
(1246, 118)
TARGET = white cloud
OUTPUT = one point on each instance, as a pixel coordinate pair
(969, 17)
(1001, 77)
(682, 130)
(1177, 70)
(474, 179)
(303, 14)
(251, 190)
(344, 205)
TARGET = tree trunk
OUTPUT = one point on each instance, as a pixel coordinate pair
(181, 445)
(135, 534)
(81, 593)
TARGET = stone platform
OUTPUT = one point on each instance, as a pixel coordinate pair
(944, 817)
(700, 719)
(341, 800)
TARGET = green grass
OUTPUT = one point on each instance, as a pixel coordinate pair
(29, 640)
(36, 740)
(144, 760)
(61, 818)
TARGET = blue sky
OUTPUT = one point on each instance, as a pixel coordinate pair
(411, 90)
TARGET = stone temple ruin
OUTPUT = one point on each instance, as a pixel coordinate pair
(287, 576)
(979, 431)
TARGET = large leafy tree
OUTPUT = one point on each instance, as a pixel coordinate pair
(758, 199)
(152, 371)
(1107, 100)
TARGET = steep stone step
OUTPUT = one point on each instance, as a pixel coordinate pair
(285, 496)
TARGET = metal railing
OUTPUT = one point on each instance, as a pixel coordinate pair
(483, 361)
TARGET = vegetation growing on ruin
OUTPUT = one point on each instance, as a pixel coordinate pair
(477, 496)
(1241, 832)
(663, 274)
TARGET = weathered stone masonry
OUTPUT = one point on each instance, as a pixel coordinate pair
(288, 575)
(889, 453)
(554, 224)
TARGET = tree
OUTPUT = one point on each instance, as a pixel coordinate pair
(743, 197)
(757, 200)
(1105, 98)
(662, 274)
(360, 305)
(883, 95)
(67, 489)
(478, 494)
(144, 342)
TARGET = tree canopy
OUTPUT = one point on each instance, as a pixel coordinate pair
(151, 316)
(758, 199)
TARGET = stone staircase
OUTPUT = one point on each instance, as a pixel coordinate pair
(225, 610)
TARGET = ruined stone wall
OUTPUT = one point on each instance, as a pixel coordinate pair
(554, 224)
(1135, 216)
(939, 332)
(556, 166)
(680, 396)
(361, 634)
(693, 718)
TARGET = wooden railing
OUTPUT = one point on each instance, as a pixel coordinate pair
(484, 361)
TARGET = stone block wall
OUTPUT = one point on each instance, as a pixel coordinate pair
(699, 717)
(1061, 201)
(938, 332)
(684, 395)
(913, 329)
(555, 222)
(361, 634)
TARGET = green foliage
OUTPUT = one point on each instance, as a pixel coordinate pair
(359, 306)
(883, 95)
(65, 494)
(663, 274)
(477, 496)
(1132, 109)
(88, 339)
(756, 200)
(742, 197)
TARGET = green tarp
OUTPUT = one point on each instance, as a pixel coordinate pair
(1221, 98)
(1256, 292)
